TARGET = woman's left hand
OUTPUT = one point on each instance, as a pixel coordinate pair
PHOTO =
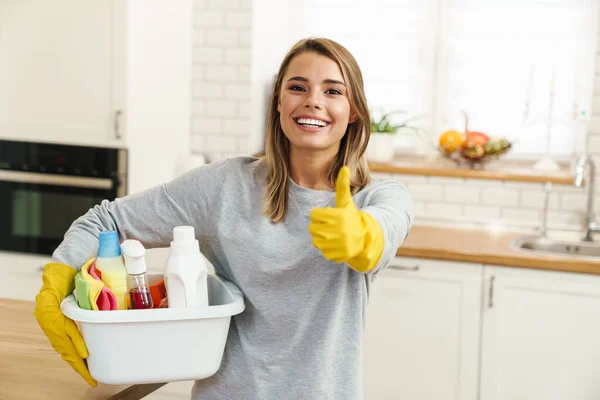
(345, 234)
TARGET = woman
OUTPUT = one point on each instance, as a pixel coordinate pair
(301, 232)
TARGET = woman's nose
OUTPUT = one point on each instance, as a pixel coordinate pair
(313, 101)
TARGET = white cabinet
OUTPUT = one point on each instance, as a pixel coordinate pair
(541, 335)
(422, 331)
(60, 70)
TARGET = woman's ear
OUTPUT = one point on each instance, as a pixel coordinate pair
(352, 118)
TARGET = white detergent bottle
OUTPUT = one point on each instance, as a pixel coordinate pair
(186, 272)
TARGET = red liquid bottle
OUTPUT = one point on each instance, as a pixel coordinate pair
(140, 299)
(137, 280)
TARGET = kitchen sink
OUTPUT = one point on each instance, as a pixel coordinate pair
(538, 244)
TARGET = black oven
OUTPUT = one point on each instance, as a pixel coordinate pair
(44, 187)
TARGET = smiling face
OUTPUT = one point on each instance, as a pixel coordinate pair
(313, 104)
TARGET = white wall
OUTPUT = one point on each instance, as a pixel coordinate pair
(221, 78)
(158, 79)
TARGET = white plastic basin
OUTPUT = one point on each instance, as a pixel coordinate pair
(129, 347)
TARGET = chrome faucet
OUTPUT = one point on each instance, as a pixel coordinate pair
(580, 167)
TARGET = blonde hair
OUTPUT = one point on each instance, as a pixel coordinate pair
(352, 147)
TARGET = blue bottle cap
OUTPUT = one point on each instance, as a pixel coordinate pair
(109, 244)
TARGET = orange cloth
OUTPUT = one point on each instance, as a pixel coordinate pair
(158, 292)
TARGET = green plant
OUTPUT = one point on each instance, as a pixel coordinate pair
(384, 125)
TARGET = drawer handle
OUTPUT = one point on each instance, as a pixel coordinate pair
(404, 268)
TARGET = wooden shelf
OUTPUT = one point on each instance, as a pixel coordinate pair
(500, 171)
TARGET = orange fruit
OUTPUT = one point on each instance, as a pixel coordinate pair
(451, 141)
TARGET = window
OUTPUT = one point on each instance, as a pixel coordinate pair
(500, 61)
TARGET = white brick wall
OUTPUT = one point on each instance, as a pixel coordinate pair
(221, 78)
(484, 203)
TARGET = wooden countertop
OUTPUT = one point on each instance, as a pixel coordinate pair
(504, 170)
(485, 247)
(31, 369)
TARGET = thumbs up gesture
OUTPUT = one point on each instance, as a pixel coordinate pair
(345, 234)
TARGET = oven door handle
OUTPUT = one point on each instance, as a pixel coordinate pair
(57, 180)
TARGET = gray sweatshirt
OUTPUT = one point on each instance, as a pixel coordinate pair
(300, 336)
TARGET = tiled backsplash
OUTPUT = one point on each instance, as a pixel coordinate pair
(221, 75)
(221, 128)
(484, 203)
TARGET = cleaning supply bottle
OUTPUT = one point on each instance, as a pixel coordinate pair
(186, 272)
(110, 265)
(137, 279)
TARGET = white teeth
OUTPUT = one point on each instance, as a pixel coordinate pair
(310, 121)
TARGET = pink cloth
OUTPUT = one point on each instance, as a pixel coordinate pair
(106, 299)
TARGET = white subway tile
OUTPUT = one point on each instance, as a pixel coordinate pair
(443, 210)
(426, 192)
(530, 199)
(565, 220)
(206, 125)
(199, 37)
(245, 38)
(570, 189)
(594, 144)
(208, 55)
(200, 4)
(221, 73)
(237, 56)
(403, 178)
(221, 143)
(197, 72)
(477, 213)
(596, 104)
(462, 194)
(523, 185)
(243, 73)
(207, 90)
(198, 107)
(243, 146)
(441, 180)
(500, 197)
(573, 202)
(245, 4)
(197, 143)
(214, 156)
(221, 37)
(419, 209)
(207, 19)
(594, 126)
(221, 108)
(484, 183)
(224, 4)
(237, 92)
(238, 19)
(520, 215)
(236, 127)
(245, 108)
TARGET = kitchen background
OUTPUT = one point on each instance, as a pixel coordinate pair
(182, 83)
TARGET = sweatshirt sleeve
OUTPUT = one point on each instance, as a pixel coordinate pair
(148, 216)
(390, 204)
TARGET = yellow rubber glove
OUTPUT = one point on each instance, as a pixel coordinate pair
(63, 333)
(345, 234)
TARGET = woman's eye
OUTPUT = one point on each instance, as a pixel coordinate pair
(296, 88)
(333, 91)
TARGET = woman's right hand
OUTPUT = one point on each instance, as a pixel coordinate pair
(58, 283)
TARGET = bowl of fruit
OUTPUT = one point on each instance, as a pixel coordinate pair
(471, 149)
